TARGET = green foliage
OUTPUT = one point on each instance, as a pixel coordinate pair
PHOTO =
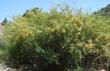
(56, 41)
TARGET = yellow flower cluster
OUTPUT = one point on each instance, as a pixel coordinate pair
(50, 29)
(56, 29)
(90, 44)
(25, 32)
(104, 37)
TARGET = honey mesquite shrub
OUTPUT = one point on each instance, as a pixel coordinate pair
(55, 41)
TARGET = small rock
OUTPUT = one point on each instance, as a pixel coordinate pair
(10, 69)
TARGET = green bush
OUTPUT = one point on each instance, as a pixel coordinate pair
(55, 41)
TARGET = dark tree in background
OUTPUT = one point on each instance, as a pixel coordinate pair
(104, 11)
(4, 21)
